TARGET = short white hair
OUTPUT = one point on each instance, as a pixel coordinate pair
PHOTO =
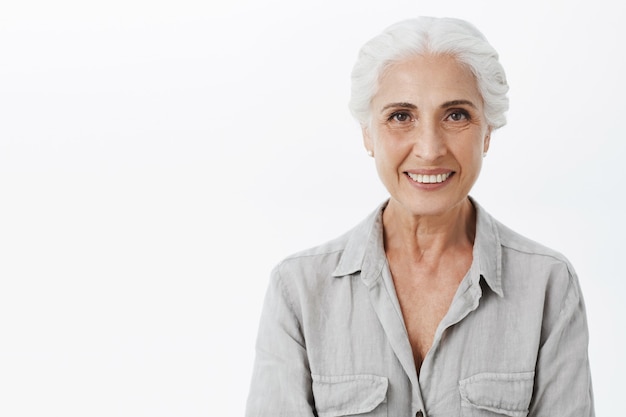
(437, 36)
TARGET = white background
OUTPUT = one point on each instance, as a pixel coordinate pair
(157, 158)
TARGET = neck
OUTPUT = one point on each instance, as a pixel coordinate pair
(428, 237)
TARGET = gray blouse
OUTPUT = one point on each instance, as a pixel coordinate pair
(332, 340)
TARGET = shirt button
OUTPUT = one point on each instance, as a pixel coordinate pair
(419, 414)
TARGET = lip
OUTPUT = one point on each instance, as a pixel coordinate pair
(429, 171)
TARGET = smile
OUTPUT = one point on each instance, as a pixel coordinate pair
(429, 179)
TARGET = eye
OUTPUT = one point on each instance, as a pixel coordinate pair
(400, 117)
(458, 115)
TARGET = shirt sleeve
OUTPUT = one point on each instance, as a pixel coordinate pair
(562, 376)
(281, 379)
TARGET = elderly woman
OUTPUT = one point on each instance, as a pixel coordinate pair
(429, 307)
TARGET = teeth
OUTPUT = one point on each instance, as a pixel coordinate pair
(429, 179)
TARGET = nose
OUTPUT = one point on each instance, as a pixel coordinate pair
(428, 142)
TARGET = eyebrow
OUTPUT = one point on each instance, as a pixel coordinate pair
(457, 103)
(401, 104)
(445, 105)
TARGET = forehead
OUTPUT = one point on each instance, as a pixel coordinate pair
(427, 77)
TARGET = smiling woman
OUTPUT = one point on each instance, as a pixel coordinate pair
(430, 306)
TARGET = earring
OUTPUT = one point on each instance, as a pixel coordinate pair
(370, 153)
(484, 154)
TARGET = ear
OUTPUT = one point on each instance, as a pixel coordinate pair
(487, 140)
(367, 139)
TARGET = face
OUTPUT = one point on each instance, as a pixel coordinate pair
(428, 134)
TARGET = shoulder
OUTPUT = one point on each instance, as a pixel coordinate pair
(321, 258)
(521, 264)
(514, 241)
(534, 263)
(542, 279)
(337, 257)
(503, 245)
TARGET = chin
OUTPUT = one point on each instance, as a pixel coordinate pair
(430, 207)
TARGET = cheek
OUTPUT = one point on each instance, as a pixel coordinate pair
(470, 157)
(393, 145)
(389, 156)
(387, 165)
(382, 164)
(477, 158)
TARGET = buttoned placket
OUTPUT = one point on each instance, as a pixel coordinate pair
(389, 314)
(466, 300)
(387, 308)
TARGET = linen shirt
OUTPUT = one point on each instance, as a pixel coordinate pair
(332, 339)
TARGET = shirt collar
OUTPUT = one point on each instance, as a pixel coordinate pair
(365, 252)
(364, 249)
(487, 249)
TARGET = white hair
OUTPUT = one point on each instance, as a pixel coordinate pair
(429, 35)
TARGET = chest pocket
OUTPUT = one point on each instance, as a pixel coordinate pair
(496, 394)
(350, 395)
